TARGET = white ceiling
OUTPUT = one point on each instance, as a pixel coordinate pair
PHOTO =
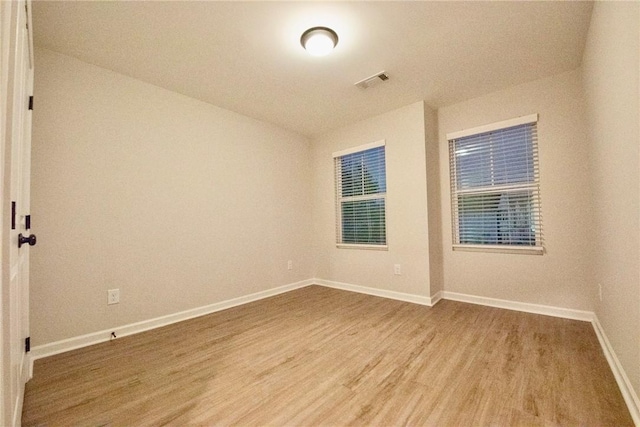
(246, 56)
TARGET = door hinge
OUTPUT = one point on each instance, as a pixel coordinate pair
(13, 215)
(31, 102)
(27, 344)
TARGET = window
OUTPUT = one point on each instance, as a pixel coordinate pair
(361, 193)
(495, 191)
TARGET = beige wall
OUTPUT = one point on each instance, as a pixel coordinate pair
(181, 204)
(562, 277)
(611, 73)
(436, 271)
(407, 231)
(177, 203)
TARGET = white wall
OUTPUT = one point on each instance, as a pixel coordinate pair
(177, 203)
(407, 221)
(562, 277)
(611, 82)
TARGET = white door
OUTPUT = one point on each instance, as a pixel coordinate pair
(16, 236)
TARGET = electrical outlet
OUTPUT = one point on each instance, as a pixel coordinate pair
(600, 291)
(397, 270)
(113, 296)
(289, 265)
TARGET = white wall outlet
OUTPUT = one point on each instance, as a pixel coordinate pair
(397, 269)
(289, 265)
(600, 291)
(113, 296)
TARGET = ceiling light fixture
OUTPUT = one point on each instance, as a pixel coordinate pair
(319, 41)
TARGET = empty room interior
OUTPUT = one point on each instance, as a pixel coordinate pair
(433, 221)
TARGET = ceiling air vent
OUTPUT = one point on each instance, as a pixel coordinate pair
(382, 76)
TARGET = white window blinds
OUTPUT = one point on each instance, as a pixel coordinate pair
(361, 188)
(495, 191)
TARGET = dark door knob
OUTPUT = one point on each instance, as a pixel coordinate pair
(31, 240)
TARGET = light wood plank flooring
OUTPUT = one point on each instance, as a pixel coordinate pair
(319, 356)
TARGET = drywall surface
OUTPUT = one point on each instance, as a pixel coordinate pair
(407, 233)
(611, 71)
(175, 202)
(562, 277)
(434, 205)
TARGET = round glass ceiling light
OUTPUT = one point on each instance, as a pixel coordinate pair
(319, 41)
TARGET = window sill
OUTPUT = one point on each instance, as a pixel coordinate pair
(524, 250)
(365, 247)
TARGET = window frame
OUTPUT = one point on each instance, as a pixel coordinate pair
(375, 196)
(533, 186)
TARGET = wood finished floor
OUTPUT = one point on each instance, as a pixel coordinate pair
(319, 356)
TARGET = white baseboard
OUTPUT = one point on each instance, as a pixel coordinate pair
(630, 396)
(62, 346)
(628, 393)
(436, 298)
(567, 313)
(400, 296)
